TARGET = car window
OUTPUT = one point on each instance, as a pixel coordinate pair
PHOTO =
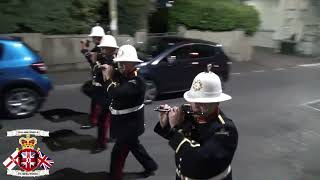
(1, 51)
(154, 47)
(202, 51)
(16, 50)
(182, 53)
(30, 48)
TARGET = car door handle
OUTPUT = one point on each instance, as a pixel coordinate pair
(195, 63)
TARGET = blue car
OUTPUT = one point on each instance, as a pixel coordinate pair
(24, 84)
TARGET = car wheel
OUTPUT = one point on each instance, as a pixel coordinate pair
(151, 91)
(21, 102)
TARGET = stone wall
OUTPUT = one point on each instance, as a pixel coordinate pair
(264, 39)
(62, 52)
(33, 39)
(235, 43)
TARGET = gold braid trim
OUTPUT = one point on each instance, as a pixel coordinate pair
(187, 140)
(221, 120)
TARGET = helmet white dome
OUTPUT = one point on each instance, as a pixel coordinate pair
(206, 88)
(97, 31)
(108, 41)
(127, 53)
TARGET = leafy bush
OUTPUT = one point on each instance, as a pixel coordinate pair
(48, 16)
(132, 15)
(214, 15)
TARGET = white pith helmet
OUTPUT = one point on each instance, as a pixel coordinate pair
(97, 31)
(206, 88)
(108, 41)
(127, 53)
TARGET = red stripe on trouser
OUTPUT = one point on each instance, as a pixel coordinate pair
(95, 112)
(106, 127)
(118, 163)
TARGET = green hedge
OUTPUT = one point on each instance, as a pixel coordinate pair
(214, 15)
(48, 16)
(132, 15)
(70, 16)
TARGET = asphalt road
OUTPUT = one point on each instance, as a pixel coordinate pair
(275, 109)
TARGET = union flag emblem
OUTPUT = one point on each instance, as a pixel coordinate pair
(28, 159)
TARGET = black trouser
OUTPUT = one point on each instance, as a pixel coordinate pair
(96, 95)
(120, 152)
(229, 177)
(103, 127)
(103, 120)
(88, 89)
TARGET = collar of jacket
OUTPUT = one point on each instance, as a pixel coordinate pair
(212, 117)
(206, 130)
(132, 74)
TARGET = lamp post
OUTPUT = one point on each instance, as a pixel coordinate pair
(113, 9)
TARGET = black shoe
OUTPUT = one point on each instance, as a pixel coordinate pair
(111, 140)
(98, 149)
(146, 174)
(150, 172)
(87, 126)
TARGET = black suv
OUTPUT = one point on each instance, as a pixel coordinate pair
(171, 63)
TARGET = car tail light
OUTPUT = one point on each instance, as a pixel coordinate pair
(40, 67)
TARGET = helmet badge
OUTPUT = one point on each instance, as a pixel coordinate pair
(197, 85)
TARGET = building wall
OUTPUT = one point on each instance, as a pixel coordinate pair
(269, 13)
(284, 19)
(310, 40)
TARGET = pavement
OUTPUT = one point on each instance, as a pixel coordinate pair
(268, 58)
